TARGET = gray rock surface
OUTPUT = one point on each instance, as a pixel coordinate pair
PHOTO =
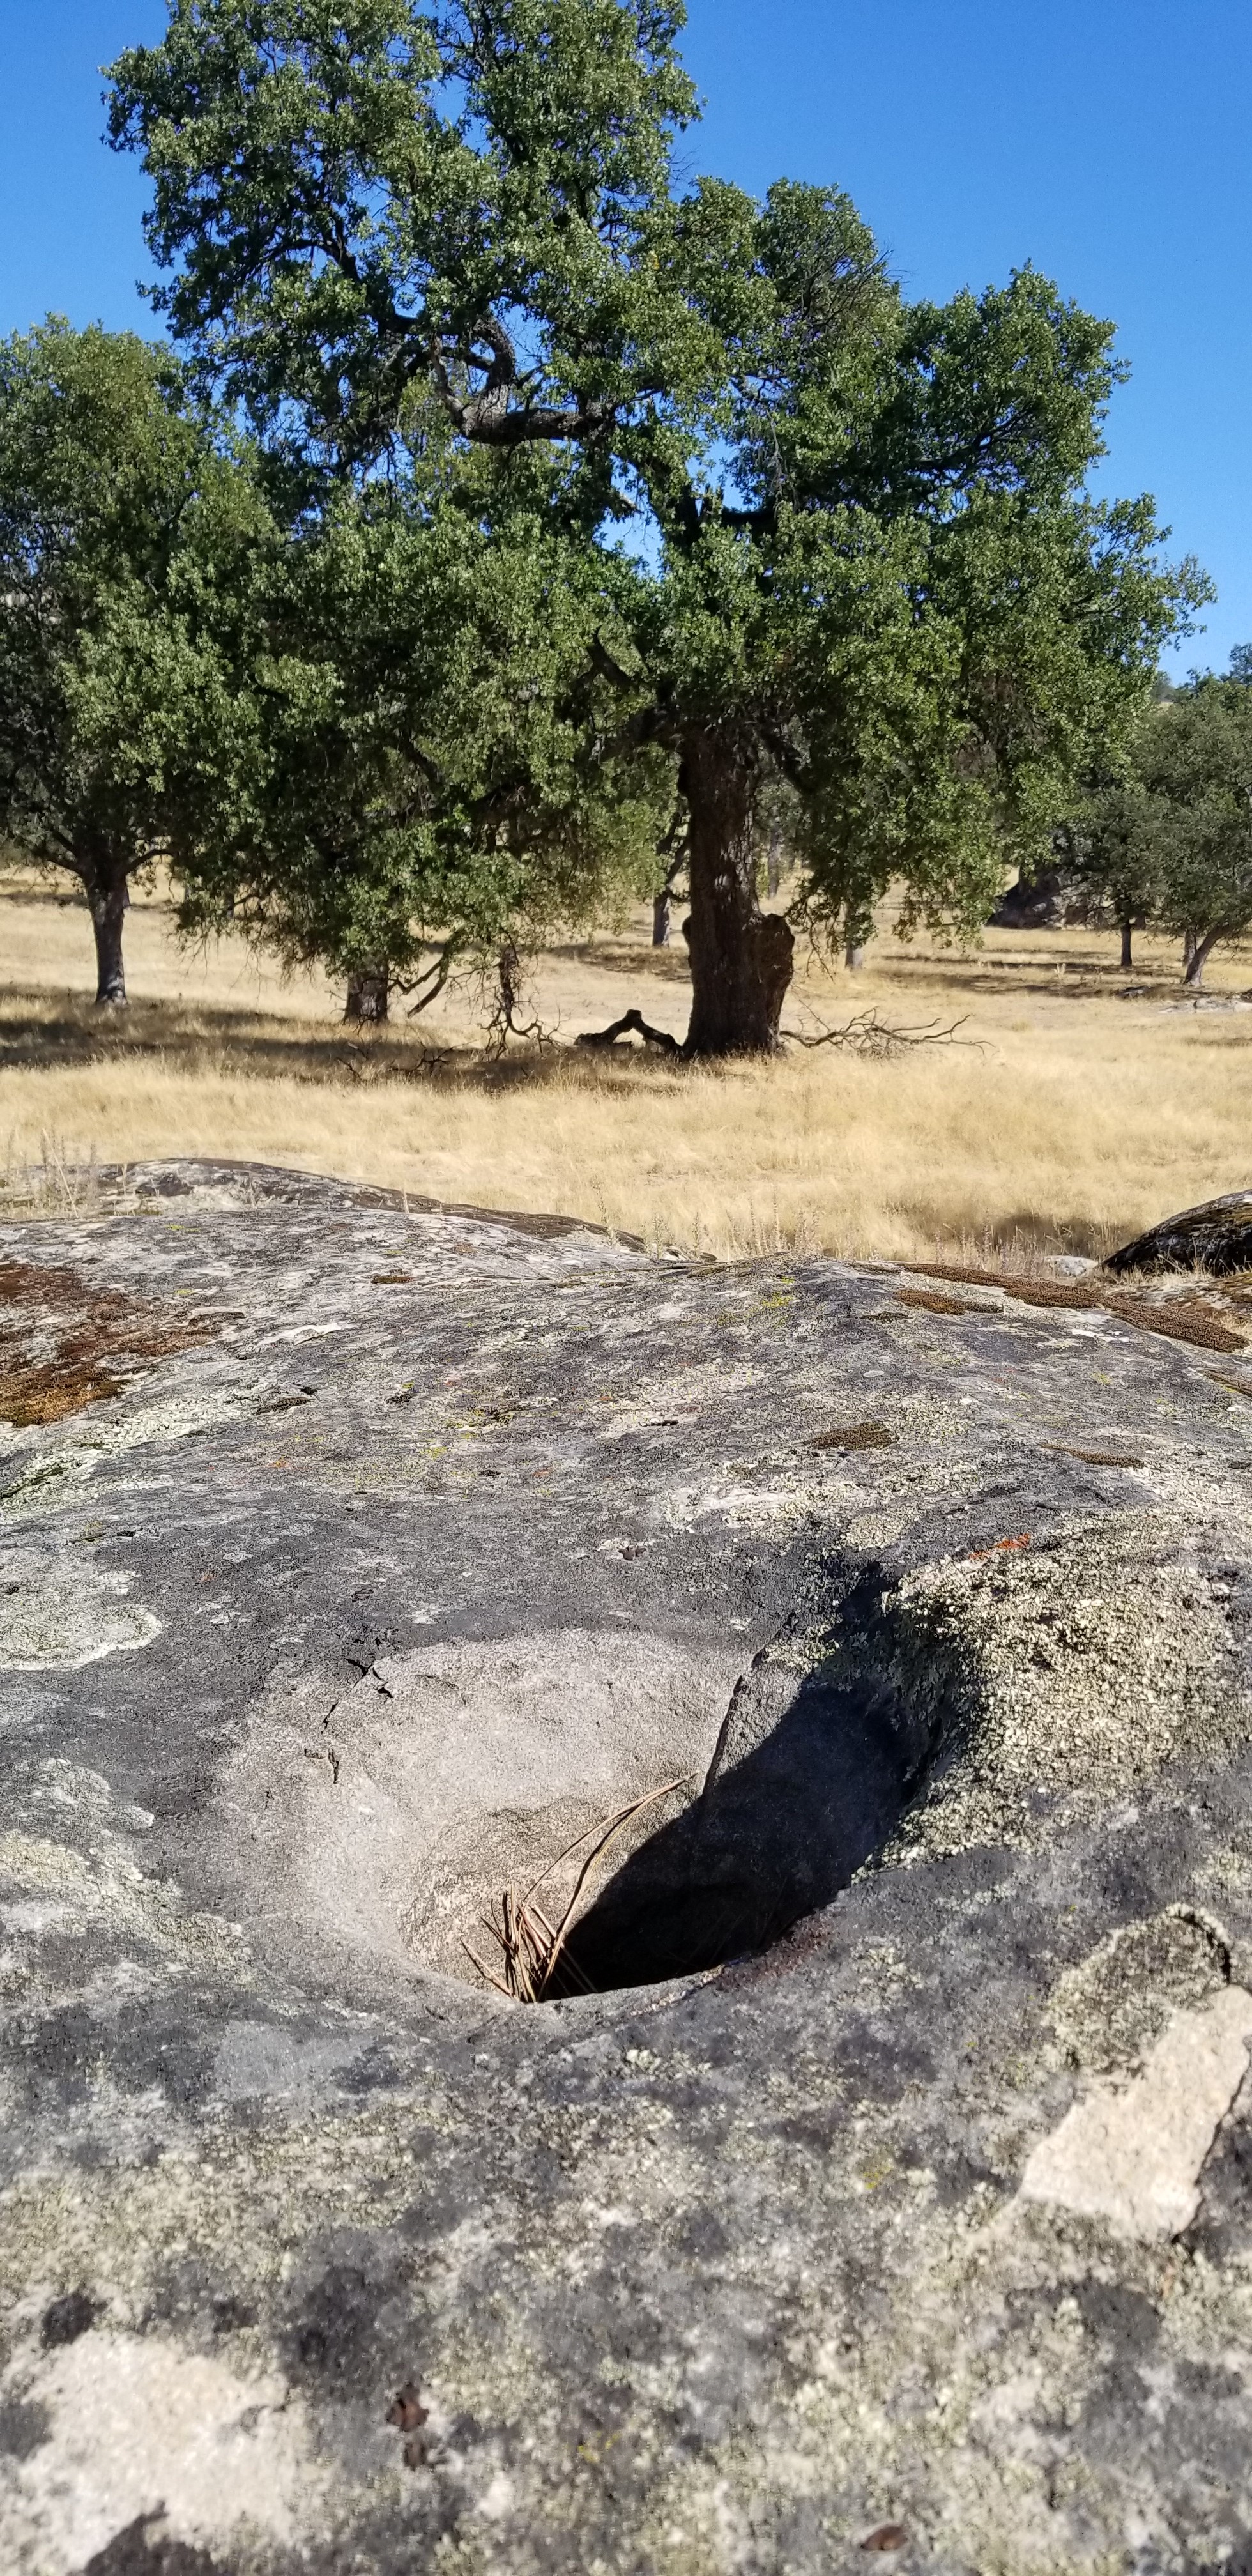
(893, 2192)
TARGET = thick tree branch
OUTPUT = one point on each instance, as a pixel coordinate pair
(630, 1020)
(753, 523)
(785, 757)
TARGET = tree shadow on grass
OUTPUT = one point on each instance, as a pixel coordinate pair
(202, 1038)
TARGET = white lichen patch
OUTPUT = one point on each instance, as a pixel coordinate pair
(49, 1882)
(921, 1454)
(57, 1620)
(136, 2427)
(739, 1505)
(669, 1398)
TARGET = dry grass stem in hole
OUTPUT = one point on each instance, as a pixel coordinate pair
(530, 1946)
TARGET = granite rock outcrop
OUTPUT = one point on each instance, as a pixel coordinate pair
(881, 2182)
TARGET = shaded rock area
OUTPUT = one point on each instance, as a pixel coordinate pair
(1215, 1237)
(1050, 901)
(891, 2189)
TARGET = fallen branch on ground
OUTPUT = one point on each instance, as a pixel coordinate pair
(374, 1061)
(1180, 1319)
(868, 1035)
(630, 1020)
(359, 1061)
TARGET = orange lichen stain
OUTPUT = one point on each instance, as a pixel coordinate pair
(59, 1333)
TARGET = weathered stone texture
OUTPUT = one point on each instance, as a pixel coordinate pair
(915, 2200)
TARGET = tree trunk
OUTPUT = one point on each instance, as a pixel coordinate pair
(660, 919)
(740, 956)
(369, 991)
(1128, 957)
(108, 897)
(1201, 950)
(773, 871)
(854, 956)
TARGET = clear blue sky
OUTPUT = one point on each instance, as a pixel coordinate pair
(1108, 141)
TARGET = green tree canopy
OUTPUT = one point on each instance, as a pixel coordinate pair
(434, 777)
(130, 536)
(1169, 836)
(1195, 763)
(837, 539)
(1114, 853)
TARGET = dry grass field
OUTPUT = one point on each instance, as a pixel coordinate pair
(1065, 1117)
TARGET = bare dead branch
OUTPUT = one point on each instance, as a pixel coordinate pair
(630, 1020)
(531, 1947)
(867, 1034)
(504, 1022)
(429, 981)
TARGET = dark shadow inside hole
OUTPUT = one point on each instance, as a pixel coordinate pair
(808, 1781)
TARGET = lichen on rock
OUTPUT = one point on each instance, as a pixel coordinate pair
(1081, 1667)
(315, 2255)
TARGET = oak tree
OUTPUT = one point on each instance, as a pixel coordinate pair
(841, 541)
(1194, 765)
(432, 782)
(130, 536)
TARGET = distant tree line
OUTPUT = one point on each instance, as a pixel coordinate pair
(1164, 839)
(513, 533)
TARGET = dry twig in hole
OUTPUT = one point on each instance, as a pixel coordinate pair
(530, 1946)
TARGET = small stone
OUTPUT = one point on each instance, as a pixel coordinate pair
(1134, 2156)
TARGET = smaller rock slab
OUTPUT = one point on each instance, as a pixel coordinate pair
(1216, 1236)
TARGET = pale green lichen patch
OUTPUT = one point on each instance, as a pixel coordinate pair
(46, 1466)
(963, 2411)
(111, 1889)
(52, 1619)
(1107, 2012)
(1081, 1667)
(95, 1885)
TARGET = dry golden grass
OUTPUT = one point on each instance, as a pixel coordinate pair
(1068, 1119)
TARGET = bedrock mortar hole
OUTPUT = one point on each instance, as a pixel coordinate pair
(813, 1767)
(386, 1832)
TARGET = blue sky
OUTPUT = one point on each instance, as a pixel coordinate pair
(1105, 140)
